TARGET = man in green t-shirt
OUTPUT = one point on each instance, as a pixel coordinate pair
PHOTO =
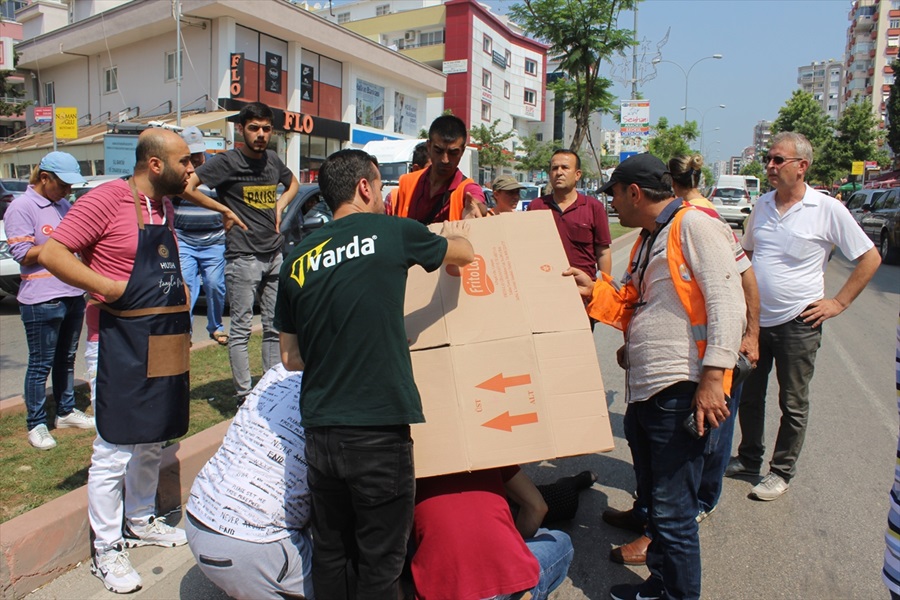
(340, 314)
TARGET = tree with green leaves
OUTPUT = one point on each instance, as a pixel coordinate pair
(533, 155)
(893, 111)
(803, 114)
(754, 169)
(490, 143)
(11, 91)
(858, 139)
(582, 35)
(672, 140)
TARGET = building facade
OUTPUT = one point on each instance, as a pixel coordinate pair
(824, 80)
(328, 86)
(873, 42)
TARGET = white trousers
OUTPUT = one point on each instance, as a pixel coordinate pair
(115, 469)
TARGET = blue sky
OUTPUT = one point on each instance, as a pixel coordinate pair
(762, 43)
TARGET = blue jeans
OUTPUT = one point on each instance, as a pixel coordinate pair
(672, 461)
(52, 330)
(247, 277)
(717, 455)
(362, 486)
(207, 262)
(553, 551)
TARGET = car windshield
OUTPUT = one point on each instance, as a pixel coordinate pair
(730, 193)
(529, 193)
(15, 185)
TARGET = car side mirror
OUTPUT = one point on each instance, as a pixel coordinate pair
(313, 222)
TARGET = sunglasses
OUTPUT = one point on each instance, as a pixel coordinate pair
(779, 160)
(255, 128)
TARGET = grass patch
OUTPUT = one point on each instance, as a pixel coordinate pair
(616, 230)
(30, 477)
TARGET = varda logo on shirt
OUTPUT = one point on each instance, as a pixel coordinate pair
(319, 257)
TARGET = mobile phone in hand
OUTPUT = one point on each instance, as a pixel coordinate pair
(691, 425)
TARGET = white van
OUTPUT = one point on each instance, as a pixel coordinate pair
(732, 181)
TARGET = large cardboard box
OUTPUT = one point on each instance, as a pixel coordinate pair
(503, 354)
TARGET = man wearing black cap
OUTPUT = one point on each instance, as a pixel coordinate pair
(682, 308)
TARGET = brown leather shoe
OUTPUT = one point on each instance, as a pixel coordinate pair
(624, 519)
(633, 553)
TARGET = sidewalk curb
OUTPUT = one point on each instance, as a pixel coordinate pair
(624, 240)
(42, 544)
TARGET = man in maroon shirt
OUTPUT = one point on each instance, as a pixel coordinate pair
(581, 220)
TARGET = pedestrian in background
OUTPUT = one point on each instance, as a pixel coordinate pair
(506, 194)
(201, 247)
(52, 311)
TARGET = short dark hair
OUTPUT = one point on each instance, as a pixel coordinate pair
(150, 145)
(567, 151)
(420, 155)
(256, 111)
(448, 128)
(341, 172)
(660, 195)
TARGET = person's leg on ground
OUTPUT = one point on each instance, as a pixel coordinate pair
(676, 461)
(42, 322)
(333, 522)
(378, 467)
(242, 277)
(64, 360)
(716, 458)
(553, 551)
(752, 416)
(190, 273)
(795, 361)
(271, 353)
(212, 265)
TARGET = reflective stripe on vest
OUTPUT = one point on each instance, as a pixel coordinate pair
(406, 188)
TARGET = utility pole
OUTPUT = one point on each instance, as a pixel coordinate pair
(177, 6)
(634, 58)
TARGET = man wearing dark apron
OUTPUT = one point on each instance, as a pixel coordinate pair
(138, 345)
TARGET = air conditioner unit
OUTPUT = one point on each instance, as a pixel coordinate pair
(410, 36)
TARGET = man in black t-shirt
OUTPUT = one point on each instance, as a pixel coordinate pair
(340, 314)
(246, 181)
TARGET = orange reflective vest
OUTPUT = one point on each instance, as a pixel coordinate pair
(614, 305)
(407, 187)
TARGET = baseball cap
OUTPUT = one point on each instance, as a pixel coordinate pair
(64, 166)
(645, 170)
(194, 139)
(506, 182)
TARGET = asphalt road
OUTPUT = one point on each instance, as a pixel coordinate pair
(822, 539)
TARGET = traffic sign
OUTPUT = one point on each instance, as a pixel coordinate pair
(857, 167)
(43, 114)
(66, 122)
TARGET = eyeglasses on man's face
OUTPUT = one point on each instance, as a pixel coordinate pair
(780, 160)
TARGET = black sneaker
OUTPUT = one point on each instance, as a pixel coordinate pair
(651, 589)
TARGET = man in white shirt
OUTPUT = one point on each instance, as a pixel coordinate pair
(789, 237)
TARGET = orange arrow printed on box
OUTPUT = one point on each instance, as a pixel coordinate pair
(506, 421)
(499, 383)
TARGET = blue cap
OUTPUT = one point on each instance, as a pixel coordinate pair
(64, 166)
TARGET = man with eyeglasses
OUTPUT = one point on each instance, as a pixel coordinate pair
(246, 180)
(789, 237)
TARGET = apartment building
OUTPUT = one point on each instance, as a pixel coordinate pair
(494, 72)
(824, 80)
(873, 42)
(116, 62)
(762, 134)
(10, 34)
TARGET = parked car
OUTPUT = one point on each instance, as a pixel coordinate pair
(9, 268)
(9, 189)
(529, 192)
(307, 212)
(881, 222)
(861, 200)
(90, 182)
(733, 204)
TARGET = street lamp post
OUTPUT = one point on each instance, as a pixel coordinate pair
(702, 119)
(687, 74)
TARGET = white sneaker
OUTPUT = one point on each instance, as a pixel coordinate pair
(40, 438)
(115, 571)
(154, 533)
(771, 487)
(76, 418)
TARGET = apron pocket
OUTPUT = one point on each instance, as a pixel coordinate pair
(168, 355)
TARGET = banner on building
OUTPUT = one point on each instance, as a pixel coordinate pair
(635, 125)
(237, 74)
(406, 120)
(118, 153)
(369, 104)
(273, 73)
(66, 122)
(43, 114)
(307, 86)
